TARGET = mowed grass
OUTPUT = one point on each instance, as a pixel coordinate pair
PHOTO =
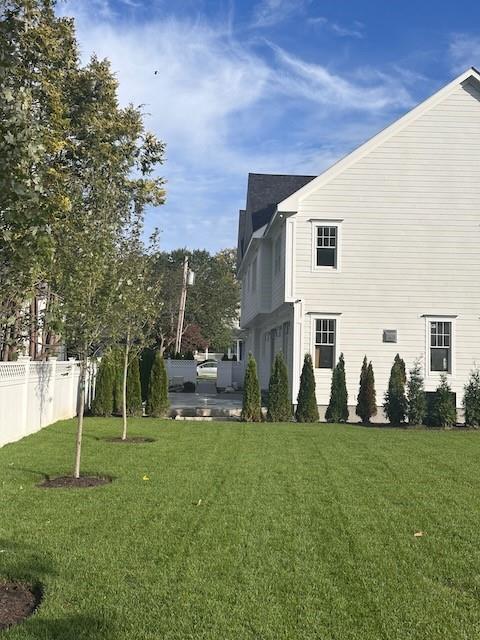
(247, 531)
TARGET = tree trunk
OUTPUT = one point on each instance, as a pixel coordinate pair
(33, 333)
(124, 389)
(81, 410)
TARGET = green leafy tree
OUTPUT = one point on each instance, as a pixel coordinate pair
(471, 400)
(117, 366)
(366, 401)
(212, 303)
(395, 405)
(157, 399)
(251, 407)
(443, 411)
(416, 398)
(279, 407)
(307, 409)
(103, 402)
(38, 56)
(337, 410)
(133, 398)
(138, 301)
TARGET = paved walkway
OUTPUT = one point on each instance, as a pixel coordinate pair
(206, 402)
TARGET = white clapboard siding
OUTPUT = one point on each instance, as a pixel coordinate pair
(410, 212)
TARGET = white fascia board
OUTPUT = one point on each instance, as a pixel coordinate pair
(291, 203)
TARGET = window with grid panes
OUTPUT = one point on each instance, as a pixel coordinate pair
(326, 246)
(325, 330)
(441, 346)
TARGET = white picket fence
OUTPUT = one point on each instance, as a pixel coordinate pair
(36, 394)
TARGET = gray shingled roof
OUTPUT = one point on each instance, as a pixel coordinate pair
(264, 192)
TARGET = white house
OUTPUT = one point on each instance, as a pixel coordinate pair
(377, 255)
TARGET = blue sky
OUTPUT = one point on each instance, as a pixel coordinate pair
(276, 86)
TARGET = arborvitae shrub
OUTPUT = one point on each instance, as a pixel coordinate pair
(134, 391)
(337, 410)
(307, 409)
(157, 397)
(395, 405)
(279, 407)
(251, 409)
(367, 399)
(225, 357)
(146, 362)
(103, 402)
(117, 356)
(471, 400)
(416, 398)
(444, 413)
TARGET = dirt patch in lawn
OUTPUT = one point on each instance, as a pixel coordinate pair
(69, 482)
(18, 600)
(132, 440)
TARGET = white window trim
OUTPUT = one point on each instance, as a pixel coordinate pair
(316, 223)
(336, 351)
(436, 374)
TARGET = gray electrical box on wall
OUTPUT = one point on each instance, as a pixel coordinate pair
(390, 335)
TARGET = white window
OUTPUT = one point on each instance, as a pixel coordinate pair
(325, 342)
(326, 245)
(441, 346)
(277, 257)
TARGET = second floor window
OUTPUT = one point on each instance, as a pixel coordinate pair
(325, 330)
(441, 346)
(326, 246)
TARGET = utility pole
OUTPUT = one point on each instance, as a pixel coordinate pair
(183, 300)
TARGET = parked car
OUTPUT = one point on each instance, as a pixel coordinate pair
(207, 370)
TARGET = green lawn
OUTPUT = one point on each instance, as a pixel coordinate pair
(302, 532)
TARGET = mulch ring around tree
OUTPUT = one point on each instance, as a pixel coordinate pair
(132, 440)
(18, 601)
(69, 482)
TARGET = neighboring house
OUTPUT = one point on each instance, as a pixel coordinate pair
(379, 254)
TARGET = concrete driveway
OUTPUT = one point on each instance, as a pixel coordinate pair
(206, 402)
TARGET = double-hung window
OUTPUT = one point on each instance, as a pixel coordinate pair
(441, 346)
(326, 246)
(325, 342)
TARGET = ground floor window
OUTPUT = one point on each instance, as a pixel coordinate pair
(325, 342)
(441, 346)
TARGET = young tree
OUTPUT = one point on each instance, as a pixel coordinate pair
(251, 408)
(366, 401)
(444, 413)
(279, 407)
(337, 410)
(471, 400)
(137, 306)
(416, 399)
(157, 399)
(103, 402)
(395, 404)
(108, 145)
(307, 409)
(133, 390)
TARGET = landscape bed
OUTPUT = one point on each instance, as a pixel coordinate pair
(232, 531)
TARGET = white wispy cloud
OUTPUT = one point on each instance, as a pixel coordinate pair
(270, 12)
(354, 31)
(464, 51)
(225, 108)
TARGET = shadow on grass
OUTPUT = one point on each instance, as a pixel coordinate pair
(22, 562)
(75, 627)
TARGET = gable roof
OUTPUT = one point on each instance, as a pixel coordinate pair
(264, 192)
(290, 203)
